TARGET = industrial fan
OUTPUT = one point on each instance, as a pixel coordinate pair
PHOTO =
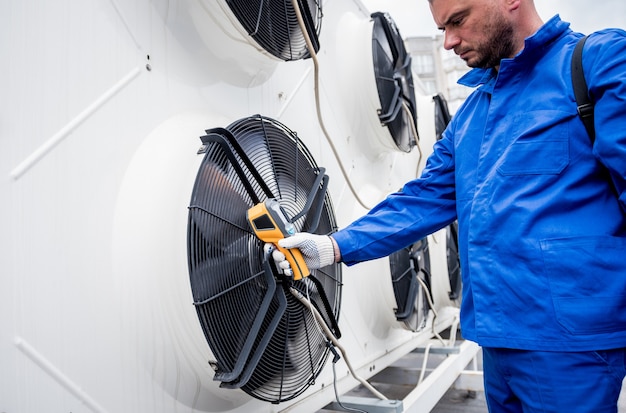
(442, 118)
(442, 115)
(273, 24)
(265, 341)
(408, 266)
(454, 262)
(394, 80)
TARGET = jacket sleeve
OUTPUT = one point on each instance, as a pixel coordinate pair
(423, 206)
(604, 64)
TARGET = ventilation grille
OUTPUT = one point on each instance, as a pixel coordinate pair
(442, 118)
(407, 265)
(454, 261)
(265, 341)
(394, 80)
(442, 115)
(273, 24)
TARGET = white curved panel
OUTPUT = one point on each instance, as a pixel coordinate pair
(352, 62)
(211, 44)
(356, 84)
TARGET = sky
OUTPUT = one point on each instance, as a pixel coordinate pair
(413, 17)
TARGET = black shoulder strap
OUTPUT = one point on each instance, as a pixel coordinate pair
(585, 107)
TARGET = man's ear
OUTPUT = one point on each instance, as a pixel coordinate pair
(513, 4)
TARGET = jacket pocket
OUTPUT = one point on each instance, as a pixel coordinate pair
(535, 158)
(540, 145)
(587, 278)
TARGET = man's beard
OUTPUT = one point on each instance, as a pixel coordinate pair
(499, 45)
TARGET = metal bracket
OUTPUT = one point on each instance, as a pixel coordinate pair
(370, 405)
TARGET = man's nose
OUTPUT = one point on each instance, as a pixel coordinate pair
(450, 40)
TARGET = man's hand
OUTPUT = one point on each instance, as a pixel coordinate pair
(317, 250)
(282, 265)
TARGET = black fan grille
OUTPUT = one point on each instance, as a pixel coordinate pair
(289, 368)
(273, 24)
(442, 115)
(264, 340)
(442, 118)
(394, 79)
(219, 242)
(454, 262)
(406, 265)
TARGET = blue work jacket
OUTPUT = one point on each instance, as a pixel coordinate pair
(541, 213)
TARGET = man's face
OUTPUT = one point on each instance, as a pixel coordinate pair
(477, 30)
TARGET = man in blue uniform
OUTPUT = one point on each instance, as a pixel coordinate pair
(541, 210)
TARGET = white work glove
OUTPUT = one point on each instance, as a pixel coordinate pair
(282, 265)
(317, 250)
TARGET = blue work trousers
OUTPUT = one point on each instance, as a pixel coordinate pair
(519, 381)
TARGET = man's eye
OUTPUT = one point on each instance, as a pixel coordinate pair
(456, 22)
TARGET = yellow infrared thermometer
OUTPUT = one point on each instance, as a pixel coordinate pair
(270, 224)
